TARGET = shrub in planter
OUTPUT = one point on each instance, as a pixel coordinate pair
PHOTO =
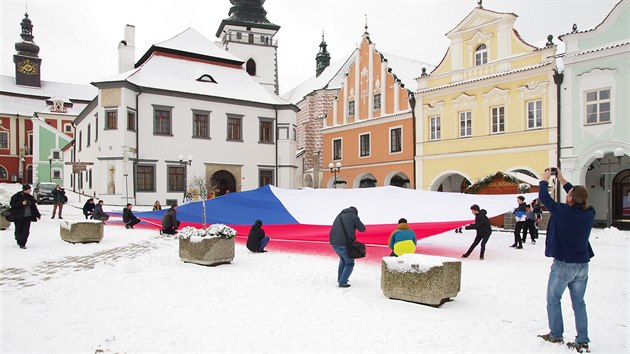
(211, 246)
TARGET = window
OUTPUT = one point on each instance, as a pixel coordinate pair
(364, 145)
(534, 114)
(598, 106)
(111, 119)
(89, 135)
(395, 140)
(30, 145)
(435, 128)
(56, 173)
(481, 55)
(131, 121)
(80, 140)
(337, 149)
(265, 177)
(3, 173)
(145, 178)
(56, 154)
(96, 127)
(4, 140)
(201, 124)
(161, 121)
(465, 124)
(266, 131)
(351, 108)
(206, 78)
(250, 67)
(90, 179)
(498, 119)
(67, 128)
(377, 102)
(234, 128)
(176, 179)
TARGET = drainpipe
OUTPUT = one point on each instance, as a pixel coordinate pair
(558, 78)
(135, 162)
(275, 107)
(412, 103)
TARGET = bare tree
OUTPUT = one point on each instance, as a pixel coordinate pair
(201, 185)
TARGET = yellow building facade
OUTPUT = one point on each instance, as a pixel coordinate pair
(368, 131)
(490, 105)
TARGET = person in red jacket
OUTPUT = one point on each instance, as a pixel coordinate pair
(567, 242)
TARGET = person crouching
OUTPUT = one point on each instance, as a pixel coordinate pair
(256, 240)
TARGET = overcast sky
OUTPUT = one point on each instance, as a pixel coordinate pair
(79, 39)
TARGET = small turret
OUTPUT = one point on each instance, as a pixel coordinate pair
(323, 57)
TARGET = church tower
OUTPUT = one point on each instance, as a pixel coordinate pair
(27, 62)
(248, 34)
(322, 58)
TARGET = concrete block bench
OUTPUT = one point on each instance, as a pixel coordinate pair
(428, 280)
(84, 231)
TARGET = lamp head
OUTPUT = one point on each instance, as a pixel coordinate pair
(619, 152)
(598, 154)
(331, 165)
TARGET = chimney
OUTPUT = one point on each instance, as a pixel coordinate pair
(127, 50)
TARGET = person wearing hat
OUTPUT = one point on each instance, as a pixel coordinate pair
(25, 209)
(256, 240)
(402, 240)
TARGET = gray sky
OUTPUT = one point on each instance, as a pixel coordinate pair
(79, 39)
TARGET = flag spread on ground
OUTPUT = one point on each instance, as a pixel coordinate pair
(307, 214)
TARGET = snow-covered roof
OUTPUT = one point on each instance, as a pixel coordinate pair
(49, 89)
(23, 106)
(192, 42)
(406, 70)
(164, 72)
(330, 78)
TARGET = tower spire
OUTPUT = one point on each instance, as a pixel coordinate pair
(322, 59)
(27, 61)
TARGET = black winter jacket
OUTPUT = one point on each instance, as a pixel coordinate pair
(256, 234)
(19, 208)
(482, 224)
(351, 221)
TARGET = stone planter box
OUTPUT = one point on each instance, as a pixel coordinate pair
(81, 231)
(4, 223)
(428, 280)
(209, 251)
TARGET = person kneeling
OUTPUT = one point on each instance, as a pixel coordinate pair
(170, 224)
(128, 218)
(256, 240)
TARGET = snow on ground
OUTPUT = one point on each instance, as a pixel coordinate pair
(131, 293)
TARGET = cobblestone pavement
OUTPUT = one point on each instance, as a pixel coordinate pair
(17, 278)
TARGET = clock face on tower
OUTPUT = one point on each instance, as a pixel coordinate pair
(28, 67)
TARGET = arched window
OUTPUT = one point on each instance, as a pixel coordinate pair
(481, 55)
(3, 173)
(251, 67)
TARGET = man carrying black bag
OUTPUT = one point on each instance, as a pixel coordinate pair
(342, 234)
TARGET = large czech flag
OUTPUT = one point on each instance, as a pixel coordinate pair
(307, 214)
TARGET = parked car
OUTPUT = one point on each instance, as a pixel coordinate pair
(43, 192)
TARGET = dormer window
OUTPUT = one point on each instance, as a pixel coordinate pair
(58, 106)
(481, 55)
(206, 78)
(251, 67)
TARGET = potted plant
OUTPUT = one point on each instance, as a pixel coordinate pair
(211, 246)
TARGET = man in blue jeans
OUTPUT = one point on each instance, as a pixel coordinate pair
(341, 234)
(567, 242)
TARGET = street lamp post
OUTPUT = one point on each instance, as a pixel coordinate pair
(599, 155)
(185, 163)
(334, 169)
(50, 168)
(126, 187)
